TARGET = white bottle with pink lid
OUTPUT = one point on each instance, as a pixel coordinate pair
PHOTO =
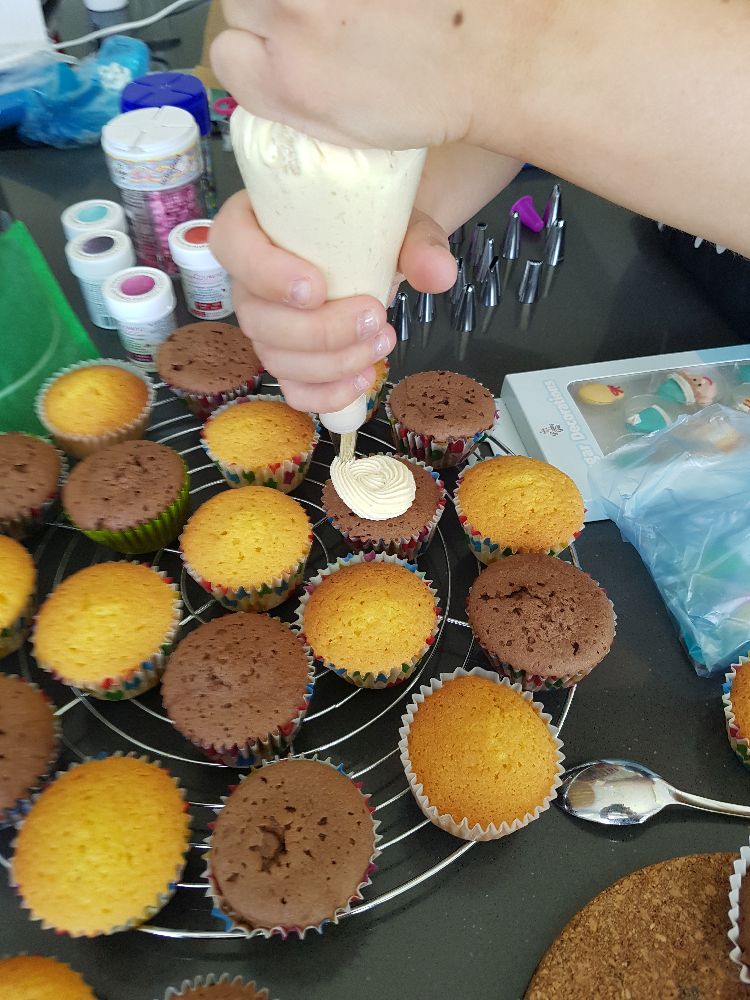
(142, 302)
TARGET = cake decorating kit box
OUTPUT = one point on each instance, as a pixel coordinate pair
(571, 417)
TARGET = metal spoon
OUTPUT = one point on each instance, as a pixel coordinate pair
(623, 793)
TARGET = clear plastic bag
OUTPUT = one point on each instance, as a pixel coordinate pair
(681, 496)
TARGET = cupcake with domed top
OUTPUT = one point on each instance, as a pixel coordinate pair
(17, 594)
(31, 473)
(37, 977)
(93, 404)
(439, 417)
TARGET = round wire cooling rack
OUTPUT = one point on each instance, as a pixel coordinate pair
(356, 727)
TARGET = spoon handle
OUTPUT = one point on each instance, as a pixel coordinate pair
(710, 805)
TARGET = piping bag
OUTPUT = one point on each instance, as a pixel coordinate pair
(343, 210)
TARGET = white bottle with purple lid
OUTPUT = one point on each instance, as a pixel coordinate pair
(92, 258)
(142, 301)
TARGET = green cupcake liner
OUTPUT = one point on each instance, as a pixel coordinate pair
(153, 534)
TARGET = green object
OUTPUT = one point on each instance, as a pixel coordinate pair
(39, 332)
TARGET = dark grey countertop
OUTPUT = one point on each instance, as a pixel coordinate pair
(479, 928)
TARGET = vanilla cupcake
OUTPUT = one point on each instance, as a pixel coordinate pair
(95, 403)
(247, 547)
(36, 977)
(517, 504)
(736, 701)
(17, 594)
(369, 618)
(261, 441)
(108, 629)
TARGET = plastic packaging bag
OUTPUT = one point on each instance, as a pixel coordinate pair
(62, 105)
(681, 496)
(39, 332)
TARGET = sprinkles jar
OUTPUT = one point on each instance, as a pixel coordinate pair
(154, 158)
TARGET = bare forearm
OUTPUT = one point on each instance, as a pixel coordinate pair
(459, 180)
(646, 103)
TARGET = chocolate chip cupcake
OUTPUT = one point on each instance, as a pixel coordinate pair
(540, 621)
(239, 687)
(292, 849)
(31, 471)
(208, 364)
(132, 496)
(407, 535)
(29, 743)
(439, 417)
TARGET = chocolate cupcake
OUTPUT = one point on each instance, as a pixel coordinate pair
(208, 364)
(439, 417)
(132, 496)
(211, 988)
(31, 471)
(292, 848)
(29, 736)
(239, 687)
(407, 535)
(540, 621)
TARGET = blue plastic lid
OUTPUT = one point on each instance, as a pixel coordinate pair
(180, 90)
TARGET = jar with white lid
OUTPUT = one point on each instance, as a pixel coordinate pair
(142, 301)
(207, 286)
(92, 258)
(154, 158)
(93, 216)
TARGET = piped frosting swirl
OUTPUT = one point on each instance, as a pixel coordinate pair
(377, 487)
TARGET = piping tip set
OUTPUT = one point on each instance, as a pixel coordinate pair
(481, 271)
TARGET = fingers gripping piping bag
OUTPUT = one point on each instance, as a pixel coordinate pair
(345, 211)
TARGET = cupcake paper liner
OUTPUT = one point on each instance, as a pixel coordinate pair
(13, 636)
(188, 985)
(407, 547)
(139, 678)
(81, 445)
(376, 392)
(233, 921)
(33, 518)
(440, 454)
(284, 476)
(263, 598)
(537, 682)
(150, 535)
(376, 678)
(444, 820)
(735, 882)
(148, 911)
(270, 745)
(204, 404)
(739, 743)
(485, 549)
(15, 813)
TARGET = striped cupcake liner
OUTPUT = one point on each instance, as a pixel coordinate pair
(376, 392)
(407, 547)
(256, 749)
(376, 678)
(26, 522)
(81, 445)
(541, 682)
(202, 405)
(150, 909)
(735, 885)
(485, 549)
(262, 598)
(440, 454)
(150, 535)
(461, 828)
(235, 922)
(14, 814)
(137, 679)
(739, 743)
(284, 476)
(13, 636)
(226, 981)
